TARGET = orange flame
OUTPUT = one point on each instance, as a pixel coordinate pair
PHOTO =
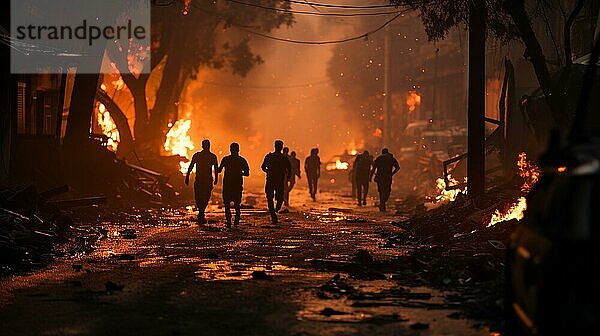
(515, 211)
(338, 165)
(530, 174)
(108, 127)
(413, 99)
(448, 195)
(179, 142)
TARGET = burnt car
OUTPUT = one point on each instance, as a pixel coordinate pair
(336, 173)
(553, 282)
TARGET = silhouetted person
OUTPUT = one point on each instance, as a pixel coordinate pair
(236, 167)
(352, 178)
(312, 168)
(385, 166)
(362, 170)
(277, 167)
(291, 180)
(286, 153)
(206, 163)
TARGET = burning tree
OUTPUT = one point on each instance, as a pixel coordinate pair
(186, 36)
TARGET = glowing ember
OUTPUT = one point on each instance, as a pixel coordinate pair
(413, 99)
(108, 127)
(448, 195)
(179, 142)
(338, 165)
(515, 211)
(530, 173)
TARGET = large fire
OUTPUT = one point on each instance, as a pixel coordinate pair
(530, 174)
(448, 195)
(108, 127)
(180, 143)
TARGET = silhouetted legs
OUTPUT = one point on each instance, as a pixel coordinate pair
(236, 205)
(274, 191)
(289, 187)
(312, 185)
(384, 188)
(362, 187)
(202, 192)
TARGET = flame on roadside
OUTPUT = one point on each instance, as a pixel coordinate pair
(413, 99)
(530, 174)
(108, 127)
(515, 211)
(338, 165)
(180, 143)
(448, 195)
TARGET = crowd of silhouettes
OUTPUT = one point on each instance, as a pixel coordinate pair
(281, 167)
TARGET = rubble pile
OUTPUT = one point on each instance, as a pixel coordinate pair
(452, 248)
(32, 226)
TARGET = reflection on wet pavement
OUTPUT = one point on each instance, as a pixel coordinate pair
(151, 251)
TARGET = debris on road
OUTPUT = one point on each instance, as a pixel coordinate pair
(261, 275)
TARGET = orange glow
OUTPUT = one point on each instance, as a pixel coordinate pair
(448, 195)
(562, 169)
(515, 211)
(378, 133)
(413, 99)
(179, 142)
(530, 174)
(338, 165)
(108, 126)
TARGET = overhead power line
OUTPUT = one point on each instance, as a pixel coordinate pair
(325, 5)
(283, 10)
(348, 39)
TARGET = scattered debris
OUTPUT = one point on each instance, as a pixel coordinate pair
(128, 234)
(330, 312)
(261, 275)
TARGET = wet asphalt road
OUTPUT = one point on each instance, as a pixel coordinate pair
(183, 279)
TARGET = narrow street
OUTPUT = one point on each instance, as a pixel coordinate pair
(259, 279)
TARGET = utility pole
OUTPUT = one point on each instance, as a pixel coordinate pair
(476, 99)
(387, 103)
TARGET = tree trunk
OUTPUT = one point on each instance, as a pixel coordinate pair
(137, 87)
(80, 111)
(165, 94)
(476, 100)
(125, 137)
(516, 9)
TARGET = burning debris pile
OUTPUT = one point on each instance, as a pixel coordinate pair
(530, 174)
(446, 194)
(461, 245)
